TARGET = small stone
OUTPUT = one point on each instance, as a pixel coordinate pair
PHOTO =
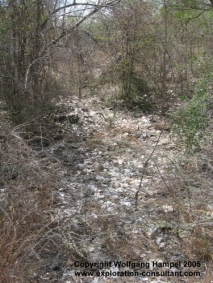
(70, 159)
(73, 119)
(60, 119)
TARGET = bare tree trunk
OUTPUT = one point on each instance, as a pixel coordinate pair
(164, 87)
(12, 6)
(36, 50)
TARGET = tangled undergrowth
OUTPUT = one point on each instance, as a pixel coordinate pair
(26, 208)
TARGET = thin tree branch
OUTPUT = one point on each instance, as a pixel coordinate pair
(96, 6)
(65, 32)
(144, 170)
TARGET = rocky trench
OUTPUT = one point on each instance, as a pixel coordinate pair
(122, 198)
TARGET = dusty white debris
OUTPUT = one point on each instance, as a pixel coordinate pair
(108, 169)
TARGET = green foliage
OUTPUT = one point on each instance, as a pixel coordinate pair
(139, 85)
(110, 120)
(136, 96)
(189, 4)
(191, 118)
(140, 90)
(144, 103)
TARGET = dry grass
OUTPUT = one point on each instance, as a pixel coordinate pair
(189, 184)
(26, 184)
